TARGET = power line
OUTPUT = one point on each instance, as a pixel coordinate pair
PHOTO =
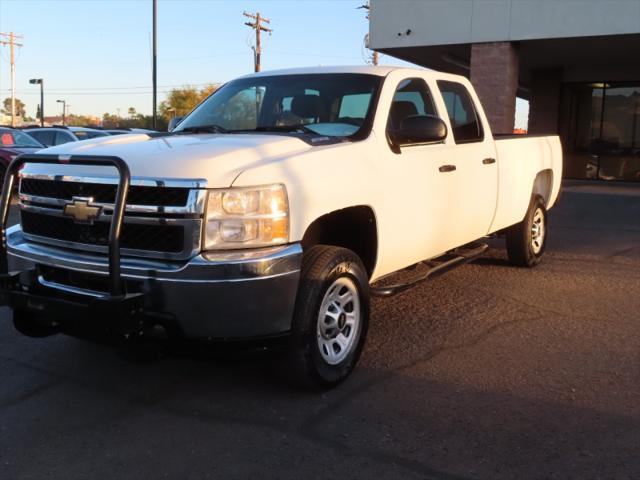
(259, 28)
(117, 90)
(25, 93)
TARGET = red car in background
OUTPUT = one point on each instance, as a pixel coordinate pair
(13, 143)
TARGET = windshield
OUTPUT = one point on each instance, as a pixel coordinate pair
(13, 138)
(325, 104)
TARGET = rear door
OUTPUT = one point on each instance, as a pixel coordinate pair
(475, 162)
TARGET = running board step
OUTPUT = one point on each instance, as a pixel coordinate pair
(438, 266)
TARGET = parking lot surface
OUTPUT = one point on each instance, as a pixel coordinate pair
(488, 372)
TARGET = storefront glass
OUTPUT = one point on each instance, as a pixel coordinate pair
(601, 131)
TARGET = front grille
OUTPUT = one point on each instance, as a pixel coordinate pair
(159, 222)
(155, 238)
(105, 192)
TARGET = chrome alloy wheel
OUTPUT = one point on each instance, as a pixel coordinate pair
(339, 321)
(537, 231)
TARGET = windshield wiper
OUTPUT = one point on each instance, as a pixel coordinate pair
(203, 129)
(286, 128)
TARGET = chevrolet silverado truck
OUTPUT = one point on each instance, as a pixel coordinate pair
(275, 209)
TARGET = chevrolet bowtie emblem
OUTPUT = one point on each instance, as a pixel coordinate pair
(81, 210)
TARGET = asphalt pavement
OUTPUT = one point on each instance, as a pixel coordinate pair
(488, 372)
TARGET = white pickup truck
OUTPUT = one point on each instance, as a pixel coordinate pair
(273, 210)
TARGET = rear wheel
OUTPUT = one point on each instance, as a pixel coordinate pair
(331, 317)
(527, 240)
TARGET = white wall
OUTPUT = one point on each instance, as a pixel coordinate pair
(442, 22)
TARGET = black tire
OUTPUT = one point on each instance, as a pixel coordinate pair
(327, 271)
(523, 249)
(33, 325)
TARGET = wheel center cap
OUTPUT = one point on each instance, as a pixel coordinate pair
(342, 321)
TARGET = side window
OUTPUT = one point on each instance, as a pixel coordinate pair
(62, 137)
(412, 97)
(463, 116)
(46, 138)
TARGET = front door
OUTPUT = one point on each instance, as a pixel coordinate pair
(420, 215)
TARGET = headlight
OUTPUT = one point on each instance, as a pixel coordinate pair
(246, 217)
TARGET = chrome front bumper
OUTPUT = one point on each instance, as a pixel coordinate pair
(225, 295)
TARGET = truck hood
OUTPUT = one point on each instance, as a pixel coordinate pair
(216, 158)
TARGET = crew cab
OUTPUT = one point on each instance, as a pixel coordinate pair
(275, 209)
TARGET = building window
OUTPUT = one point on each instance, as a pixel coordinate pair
(601, 131)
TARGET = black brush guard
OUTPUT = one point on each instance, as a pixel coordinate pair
(21, 289)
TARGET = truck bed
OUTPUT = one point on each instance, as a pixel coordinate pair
(523, 159)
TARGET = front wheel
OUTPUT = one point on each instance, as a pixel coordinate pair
(331, 317)
(527, 240)
(34, 325)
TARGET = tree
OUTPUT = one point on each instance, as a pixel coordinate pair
(132, 112)
(110, 121)
(20, 107)
(181, 101)
(82, 120)
(138, 121)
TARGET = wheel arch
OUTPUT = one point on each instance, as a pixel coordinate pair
(353, 227)
(543, 185)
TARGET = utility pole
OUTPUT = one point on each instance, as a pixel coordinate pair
(10, 39)
(155, 65)
(258, 27)
(374, 55)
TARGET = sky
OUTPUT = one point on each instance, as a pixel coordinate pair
(96, 54)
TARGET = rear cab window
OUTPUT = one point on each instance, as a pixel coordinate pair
(463, 116)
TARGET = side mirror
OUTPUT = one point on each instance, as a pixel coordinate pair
(418, 130)
(173, 123)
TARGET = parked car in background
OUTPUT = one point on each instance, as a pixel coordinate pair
(123, 131)
(13, 143)
(52, 136)
(84, 133)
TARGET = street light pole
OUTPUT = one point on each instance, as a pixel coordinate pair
(40, 81)
(155, 69)
(64, 111)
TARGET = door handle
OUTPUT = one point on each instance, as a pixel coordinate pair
(488, 161)
(447, 168)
